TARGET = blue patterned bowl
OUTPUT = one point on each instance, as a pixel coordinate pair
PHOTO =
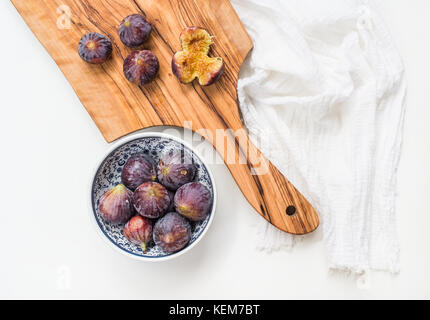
(108, 175)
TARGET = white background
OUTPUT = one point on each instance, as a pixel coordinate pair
(49, 147)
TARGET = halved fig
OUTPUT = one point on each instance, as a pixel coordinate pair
(193, 61)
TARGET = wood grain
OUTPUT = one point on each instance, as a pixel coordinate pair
(119, 107)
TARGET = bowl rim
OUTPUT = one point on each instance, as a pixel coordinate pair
(117, 144)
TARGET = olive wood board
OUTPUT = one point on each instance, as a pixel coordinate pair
(119, 107)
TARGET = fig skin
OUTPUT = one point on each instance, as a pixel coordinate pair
(193, 201)
(151, 200)
(134, 30)
(141, 67)
(115, 205)
(95, 48)
(138, 169)
(193, 61)
(175, 169)
(172, 232)
(139, 231)
(172, 201)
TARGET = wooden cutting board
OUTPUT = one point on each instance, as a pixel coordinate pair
(119, 107)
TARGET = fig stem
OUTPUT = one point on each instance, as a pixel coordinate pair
(143, 246)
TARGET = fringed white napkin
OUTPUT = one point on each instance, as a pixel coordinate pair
(323, 91)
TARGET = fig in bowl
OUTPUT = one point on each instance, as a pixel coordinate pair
(172, 201)
(128, 240)
(141, 67)
(95, 48)
(134, 30)
(138, 169)
(115, 205)
(193, 201)
(172, 232)
(151, 200)
(175, 169)
(139, 231)
(193, 61)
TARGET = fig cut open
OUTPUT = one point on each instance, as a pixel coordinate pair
(193, 61)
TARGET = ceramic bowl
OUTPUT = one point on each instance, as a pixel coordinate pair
(108, 174)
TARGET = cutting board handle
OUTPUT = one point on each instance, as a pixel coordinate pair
(263, 185)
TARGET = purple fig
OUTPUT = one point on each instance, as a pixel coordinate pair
(134, 30)
(193, 201)
(151, 200)
(139, 231)
(95, 48)
(115, 205)
(175, 170)
(141, 67)
(172, 232)
(138, 169)
(172, 201)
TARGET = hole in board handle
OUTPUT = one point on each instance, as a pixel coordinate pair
(291, 210)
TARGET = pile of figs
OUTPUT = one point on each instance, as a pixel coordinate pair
(158, 203)
(141, 66)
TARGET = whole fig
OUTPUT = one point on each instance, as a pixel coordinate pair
(115, 205)
(175, 169)
(94, 48)
(172, 232)
(151, 200)
(139, 231)
(193, 201)
(141, 67)
(138, 169)
(134, 30)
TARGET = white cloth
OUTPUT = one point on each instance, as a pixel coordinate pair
(322, 94)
